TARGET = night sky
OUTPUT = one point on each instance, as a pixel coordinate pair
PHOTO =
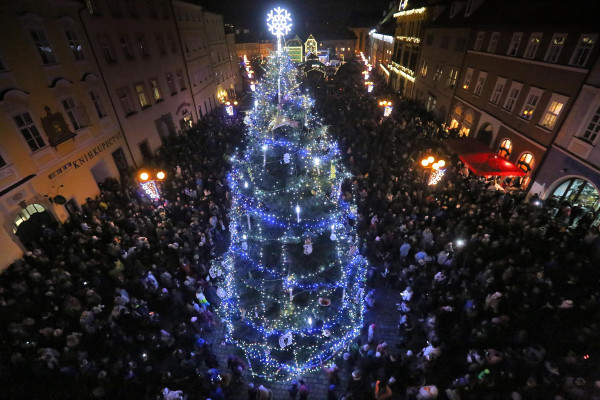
(252, 13)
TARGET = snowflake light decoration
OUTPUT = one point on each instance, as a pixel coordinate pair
(279, 21)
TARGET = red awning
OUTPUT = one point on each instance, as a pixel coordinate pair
(490, 164)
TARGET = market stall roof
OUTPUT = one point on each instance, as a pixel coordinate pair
(490, 164)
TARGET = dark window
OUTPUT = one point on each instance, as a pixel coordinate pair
(429, 39)
(29, 131)
(445, 42)
(461, 43)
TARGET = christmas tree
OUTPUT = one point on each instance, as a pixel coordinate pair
(293, 279)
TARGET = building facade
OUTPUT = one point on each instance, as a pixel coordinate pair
(137, 48)
(196, 54)
(295, 49)
(60, 136)
(441, 56)
(410, 19)
(253, 48)
(221, 58)
(570, 173)
(520, 77)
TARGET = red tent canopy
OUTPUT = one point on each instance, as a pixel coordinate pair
(490, 164)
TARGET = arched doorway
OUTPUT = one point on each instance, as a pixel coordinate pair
(486, 134)
(505, 148)
(580, 195)
(29, 224)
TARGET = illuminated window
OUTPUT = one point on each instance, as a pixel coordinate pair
(515, 42)
(98, 105)
(454, 124)
(480, 83)
(29, 131)
(532, 45)
(555, 47)
(498, 89)
(424, 68)
(583, 50)
(467, 80)
(493, 42)
(513, 95)
(526, 162)
(479, 41)
(74, 44)
(26, 213)
(593, 127)
(431, 102)
(70, 109)
(438, 73)
(141, 95)
(452, 77)
(505, 148)
(156, 95)
(531, 103)
(555, 106)
(43, 47)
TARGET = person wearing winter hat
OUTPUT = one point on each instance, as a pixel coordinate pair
(331, 394)
(293, 390)
(382, 390)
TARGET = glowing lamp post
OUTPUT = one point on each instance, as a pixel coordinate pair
(279, 22)
(369, 85)
(437, 169)
(387, 107)
(149, 185)
(229, 107)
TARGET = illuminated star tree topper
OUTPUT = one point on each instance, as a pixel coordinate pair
(279, 21)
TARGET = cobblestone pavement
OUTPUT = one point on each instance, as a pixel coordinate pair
(385, 316)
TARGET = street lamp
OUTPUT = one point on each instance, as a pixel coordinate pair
(387, 107)
(148, 181)
(369, 85)
(436, 167)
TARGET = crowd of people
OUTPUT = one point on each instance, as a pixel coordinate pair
(118, 302)
(500, 299)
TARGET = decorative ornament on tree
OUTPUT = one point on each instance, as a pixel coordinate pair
(245, 243)
(332, 172)
(281, 120)
(285, 340)
(333, 236)
(286, 158)
(308, 248)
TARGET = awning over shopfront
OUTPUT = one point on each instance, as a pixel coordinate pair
(490, 164)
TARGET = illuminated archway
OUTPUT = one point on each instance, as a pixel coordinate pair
(580, 194)
(30, 222)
